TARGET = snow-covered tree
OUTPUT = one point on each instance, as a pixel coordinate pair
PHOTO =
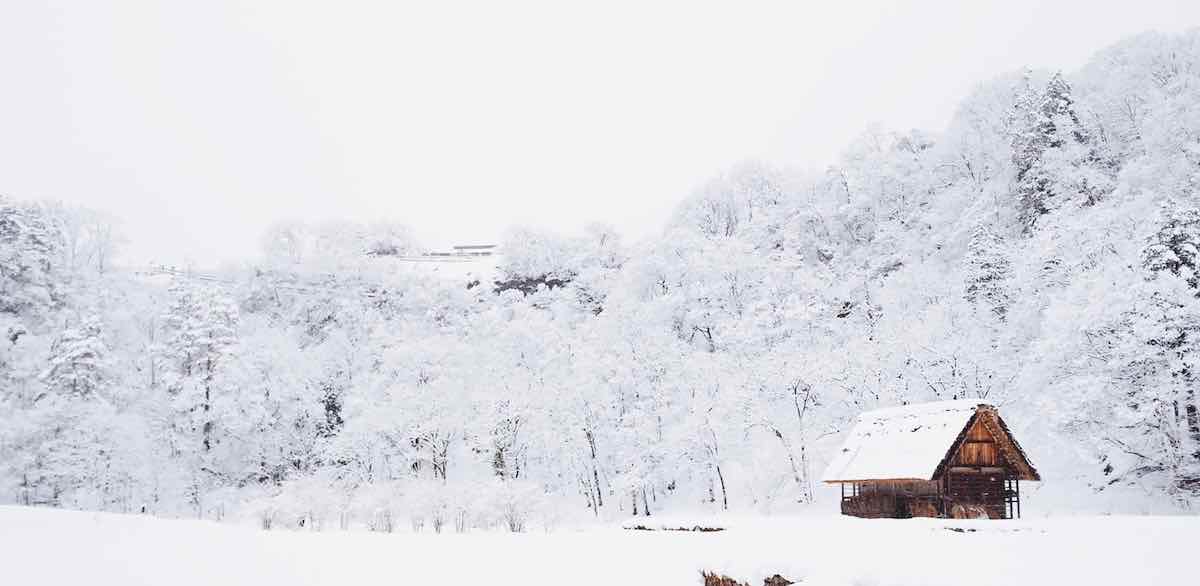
(30, 243)
(78, 361)
(1058, 161)
(1175, 247)
(988, 270)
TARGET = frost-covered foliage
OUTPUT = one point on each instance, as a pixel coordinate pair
(1040, 254)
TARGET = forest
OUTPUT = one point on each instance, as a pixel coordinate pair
(1039, 254)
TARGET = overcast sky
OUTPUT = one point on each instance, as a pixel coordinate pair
(199, 124)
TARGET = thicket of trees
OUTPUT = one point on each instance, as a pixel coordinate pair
(1040, 254)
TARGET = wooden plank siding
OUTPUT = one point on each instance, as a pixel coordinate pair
(894, 499)
(978, 469)
(978, 449)
(978, 488)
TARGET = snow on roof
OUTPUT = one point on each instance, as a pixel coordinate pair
(900, 442)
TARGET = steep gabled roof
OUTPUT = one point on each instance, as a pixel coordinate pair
(915, 442)
(1010, 449)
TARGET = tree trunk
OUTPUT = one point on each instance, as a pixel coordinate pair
(787, 448)
(1193, 422)
(591, 439)
(724, 495)
(808, 490)
(207, 404)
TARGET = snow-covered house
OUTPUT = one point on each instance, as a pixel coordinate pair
(948, 458)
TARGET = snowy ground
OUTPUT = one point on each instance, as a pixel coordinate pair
(40, 546)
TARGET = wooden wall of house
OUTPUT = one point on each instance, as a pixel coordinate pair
(977, 488)
(979, 448)
(889, 499)
(871, 506)
(977, 471)
(903, 499)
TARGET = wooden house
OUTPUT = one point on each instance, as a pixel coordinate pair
(944, 459)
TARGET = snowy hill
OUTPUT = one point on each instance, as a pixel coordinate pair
(1038, 254)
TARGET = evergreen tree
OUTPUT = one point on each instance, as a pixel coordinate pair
(29, 244)
(78, 361)
(1055, 158)
(199, 341)
(1152, 427)
(201, 332)
(1172, 251)
(66, 455)
(988, 269)
(1175, 246)
(1024, 125)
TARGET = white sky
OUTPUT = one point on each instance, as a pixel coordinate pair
(199, 124)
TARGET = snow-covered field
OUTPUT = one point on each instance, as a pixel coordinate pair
(43, 546)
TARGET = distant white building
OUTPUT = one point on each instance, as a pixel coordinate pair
(475, 249)
(469, 262)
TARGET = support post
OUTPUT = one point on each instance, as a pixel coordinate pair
(1018, 482)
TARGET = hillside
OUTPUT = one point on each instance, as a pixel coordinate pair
(1038, 254)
